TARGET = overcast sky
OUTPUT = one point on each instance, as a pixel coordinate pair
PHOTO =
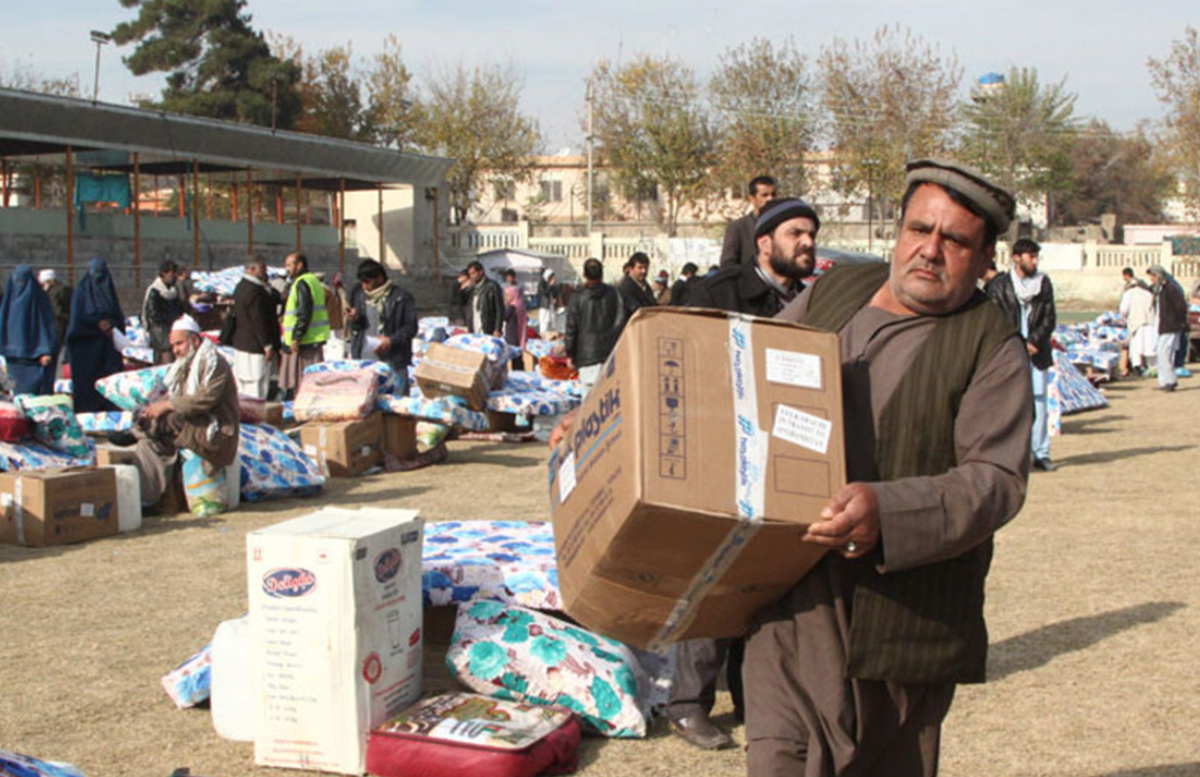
(1099, 46)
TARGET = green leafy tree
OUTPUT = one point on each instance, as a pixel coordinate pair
(764, 115)
(654, 133)
(474, 115)
(887, 100)
(1176, 79)
(1021, 133)
(216, 64)
(1114, 173)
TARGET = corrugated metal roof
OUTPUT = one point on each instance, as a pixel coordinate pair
(37, 121)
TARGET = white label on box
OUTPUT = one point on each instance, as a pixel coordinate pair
(366, 451)
(794, 368)
(87, 509)
(801, 428)
(310, 451)
(566, 477)
(6, 500)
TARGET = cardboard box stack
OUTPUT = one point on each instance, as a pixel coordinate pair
(693, 467)
(335, 619)
(39, 508)
(448, 371)
(346, 448)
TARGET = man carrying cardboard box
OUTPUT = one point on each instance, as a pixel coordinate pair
(786, 234)
(855, 669)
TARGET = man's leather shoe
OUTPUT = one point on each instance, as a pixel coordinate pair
(698, 730)
(1045, 465)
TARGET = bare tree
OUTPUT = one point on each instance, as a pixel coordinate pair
(474, 116)
(654, 133)
(887, 100)
(1176, 78)
(764, 115)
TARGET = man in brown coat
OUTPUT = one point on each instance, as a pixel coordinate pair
(854, 670)
(200, 412)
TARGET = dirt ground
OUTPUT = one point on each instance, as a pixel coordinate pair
(1093, 605)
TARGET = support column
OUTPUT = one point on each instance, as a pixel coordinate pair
(250, 210)
(340, 217)
(299, 236)
(382, 259)
(137, 220)
(196, 215)
(70, 217)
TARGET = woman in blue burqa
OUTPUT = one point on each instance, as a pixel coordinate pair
(95, 313)
(28, 339)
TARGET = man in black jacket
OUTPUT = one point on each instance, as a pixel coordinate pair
(486, 308)
(1027, 298)
(786, 234)
(740, 245)
(383, 320)
(595, 317)
(683, 284)
(1172, 311)
(635, 291)
(255, 330)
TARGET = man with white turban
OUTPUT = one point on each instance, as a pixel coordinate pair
(200, 412)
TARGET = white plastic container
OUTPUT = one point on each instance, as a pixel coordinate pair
(129, 497)
(235, 708)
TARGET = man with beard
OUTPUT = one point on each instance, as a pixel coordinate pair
(200, 412)
(786, 235)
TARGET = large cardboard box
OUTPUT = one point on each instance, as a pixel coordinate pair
(344, 449)
(39, 508)
(400, 435)
(447, 371)
(691, 472)
(335, 614)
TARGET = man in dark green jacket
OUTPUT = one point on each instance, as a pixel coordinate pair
(853, 671)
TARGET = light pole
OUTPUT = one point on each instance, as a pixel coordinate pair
(870, 164)
(100, 39)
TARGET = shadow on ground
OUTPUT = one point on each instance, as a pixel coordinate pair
(1166, 770)
(1038, 647)
(1092, 424)
(1101, 457)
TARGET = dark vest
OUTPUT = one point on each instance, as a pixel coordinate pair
(923, 625)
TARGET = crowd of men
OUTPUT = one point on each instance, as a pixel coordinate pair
(943, 377)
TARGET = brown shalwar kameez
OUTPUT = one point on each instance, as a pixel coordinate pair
(189, 425)
(804, 716)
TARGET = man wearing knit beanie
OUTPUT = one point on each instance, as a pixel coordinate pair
(785, 234)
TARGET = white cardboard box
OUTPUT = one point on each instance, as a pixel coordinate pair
(335, 611)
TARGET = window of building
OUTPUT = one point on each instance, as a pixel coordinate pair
(552, 191)
(504, 189)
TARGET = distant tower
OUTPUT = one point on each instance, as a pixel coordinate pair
(987, 85)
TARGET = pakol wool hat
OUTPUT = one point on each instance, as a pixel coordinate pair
(997, 203)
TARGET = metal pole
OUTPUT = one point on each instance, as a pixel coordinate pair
(590, 145)
(196, 216)
(250, 210)
(70, 217)
(299, 238)
(137, 220)
(382, 260)
(341, 223)
(5, 182)
(437, 240)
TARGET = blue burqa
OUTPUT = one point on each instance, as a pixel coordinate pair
(27, 333)
(90, 350)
